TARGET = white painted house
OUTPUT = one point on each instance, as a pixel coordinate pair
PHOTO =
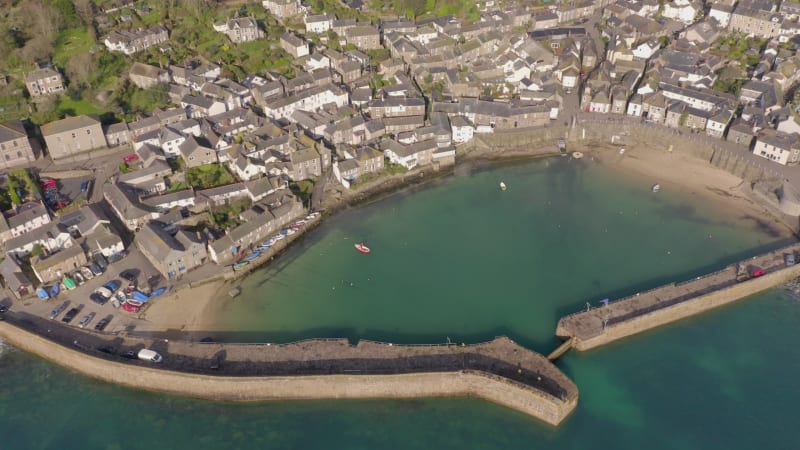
(646, 49)
(681, 10)
(779, 147)
(318, 23)
(461, 129)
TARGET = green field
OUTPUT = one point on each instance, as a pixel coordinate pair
(71, 107)
(70, 43)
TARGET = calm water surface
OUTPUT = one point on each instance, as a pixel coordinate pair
(459, 259)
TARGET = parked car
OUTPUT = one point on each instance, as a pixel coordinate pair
(70, 315)
(127, 275)
(86, 320)
(97, 298)
(102, 324)
(105, 348)
(87, 273)
(756, 271)
(103, 292)
(85, 185)
(130, 158)
(58, 310)
(148, 355)
(112, 286)
(101, 261)
(78, 277)
(95, 269)
(130, 354)
(47, 183)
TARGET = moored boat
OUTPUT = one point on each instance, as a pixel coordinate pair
(361, 247)
(43, 293)
(503, 186)
(240, 265)
(253, 256)
(656, 187)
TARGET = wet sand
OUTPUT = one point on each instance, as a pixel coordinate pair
(687, 174)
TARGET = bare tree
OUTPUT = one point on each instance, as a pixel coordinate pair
(38, 48)
(85, 10)
(46, 20)
(79, 69)
(197, 7)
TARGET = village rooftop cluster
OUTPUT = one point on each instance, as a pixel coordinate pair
(237, 150)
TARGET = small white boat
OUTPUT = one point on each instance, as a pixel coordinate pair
(622, 151)
(577, 155)
(656, 187)
(503, 186)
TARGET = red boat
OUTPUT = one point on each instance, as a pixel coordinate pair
(361, 247)
(130, 308)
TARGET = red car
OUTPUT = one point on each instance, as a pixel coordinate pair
(130, 308)
(48, 183)
(130, 158)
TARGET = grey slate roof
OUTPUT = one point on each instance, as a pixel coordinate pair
(27, 212)
(68, 124)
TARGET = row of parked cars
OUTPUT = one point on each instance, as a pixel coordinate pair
(85, 320)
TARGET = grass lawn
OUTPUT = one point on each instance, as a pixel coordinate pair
(393, 168)
(179, 186)
(76, 107)
(208, 176)
(69, 43)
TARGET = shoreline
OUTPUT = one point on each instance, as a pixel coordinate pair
(196, 308)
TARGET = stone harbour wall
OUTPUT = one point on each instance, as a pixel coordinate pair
(684, 309)
(473, 383)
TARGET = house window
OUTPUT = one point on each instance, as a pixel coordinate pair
(73, 136)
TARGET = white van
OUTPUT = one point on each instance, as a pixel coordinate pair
(146, 354)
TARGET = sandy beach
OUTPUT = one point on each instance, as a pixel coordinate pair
(189, 309)
(689, 175)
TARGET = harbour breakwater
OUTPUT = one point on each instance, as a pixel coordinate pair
(647, 310)
(499, 371)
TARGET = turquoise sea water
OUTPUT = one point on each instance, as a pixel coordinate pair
(464, 260)
(461, 259)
